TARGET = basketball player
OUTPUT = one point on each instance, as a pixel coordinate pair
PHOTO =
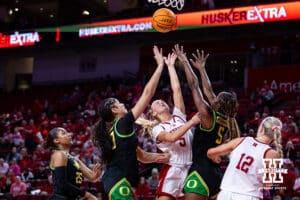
(117, 141)
(241, 179)
(216, 126)
(67, 171)
(173, 135)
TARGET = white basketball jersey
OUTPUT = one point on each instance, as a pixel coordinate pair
(181, 150)
(241, 175)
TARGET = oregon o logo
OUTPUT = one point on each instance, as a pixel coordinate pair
(124, 191)
(191, 184)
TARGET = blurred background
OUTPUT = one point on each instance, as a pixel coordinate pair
(50, 76)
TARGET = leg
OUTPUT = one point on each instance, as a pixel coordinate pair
(165, 198)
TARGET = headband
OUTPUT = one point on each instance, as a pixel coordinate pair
(275, 127)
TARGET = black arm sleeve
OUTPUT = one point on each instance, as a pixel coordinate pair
(62, 184)
(125, 124)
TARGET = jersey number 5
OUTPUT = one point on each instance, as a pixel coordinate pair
(244, 162)
(182, 142)
(220, 135)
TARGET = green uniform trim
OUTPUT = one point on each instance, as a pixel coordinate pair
(213, 126)
(195, 184)
(119, 134)
(121, 191)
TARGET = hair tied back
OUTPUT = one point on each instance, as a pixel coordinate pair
(275, 127)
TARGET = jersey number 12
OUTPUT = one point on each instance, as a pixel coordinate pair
(244, 162)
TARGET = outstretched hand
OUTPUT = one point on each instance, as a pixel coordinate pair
(178, 50)
(170, 60)
(199, 59)
(158, 55)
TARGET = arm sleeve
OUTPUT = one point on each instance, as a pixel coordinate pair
(64, 186)
(125, 124)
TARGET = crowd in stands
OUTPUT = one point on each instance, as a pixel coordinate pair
(24, 163)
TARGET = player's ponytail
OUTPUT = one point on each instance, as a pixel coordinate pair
(227, 105)
(101, 134)
(272, 128)
(277, 142)
(234, 130)
(49, 144)
(147, 125)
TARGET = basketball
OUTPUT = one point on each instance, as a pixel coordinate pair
(164, 20)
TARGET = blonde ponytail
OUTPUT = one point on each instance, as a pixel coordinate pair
(277, 141)
(272, 128)
(147, 125)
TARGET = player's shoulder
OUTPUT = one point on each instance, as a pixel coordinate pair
(58, 158)
(271, 153)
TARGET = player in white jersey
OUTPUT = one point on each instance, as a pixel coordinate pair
(242, 179)
(173, 135)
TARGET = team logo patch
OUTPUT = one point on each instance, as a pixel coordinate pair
(273, 172)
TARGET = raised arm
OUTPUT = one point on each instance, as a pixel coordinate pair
(200, 103)
(165, 136)
(175, 84)
(151, 86)
(199, 63)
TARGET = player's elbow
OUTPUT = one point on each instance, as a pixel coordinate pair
(193, 84)
(148, 91)
(210, 153)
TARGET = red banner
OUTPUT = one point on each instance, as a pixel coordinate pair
(242, 15)
(281, 79)
(19, 39)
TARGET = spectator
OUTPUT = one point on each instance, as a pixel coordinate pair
(3, 166)
(7, 135)
(149, 146)
(288, 180)
(253, 123)
(16, 169)
(42, 172)
(251, 133)
(10, 178)
(2, 183)
(27, 174)
(293, 130)
(18, 187)
(40, 153)
(13, 154)
(54, 121)
(143, 189)
(18, 140)
(153, 179)
(296, 186)
(289, 151)
(267, 96)
(283, 117)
